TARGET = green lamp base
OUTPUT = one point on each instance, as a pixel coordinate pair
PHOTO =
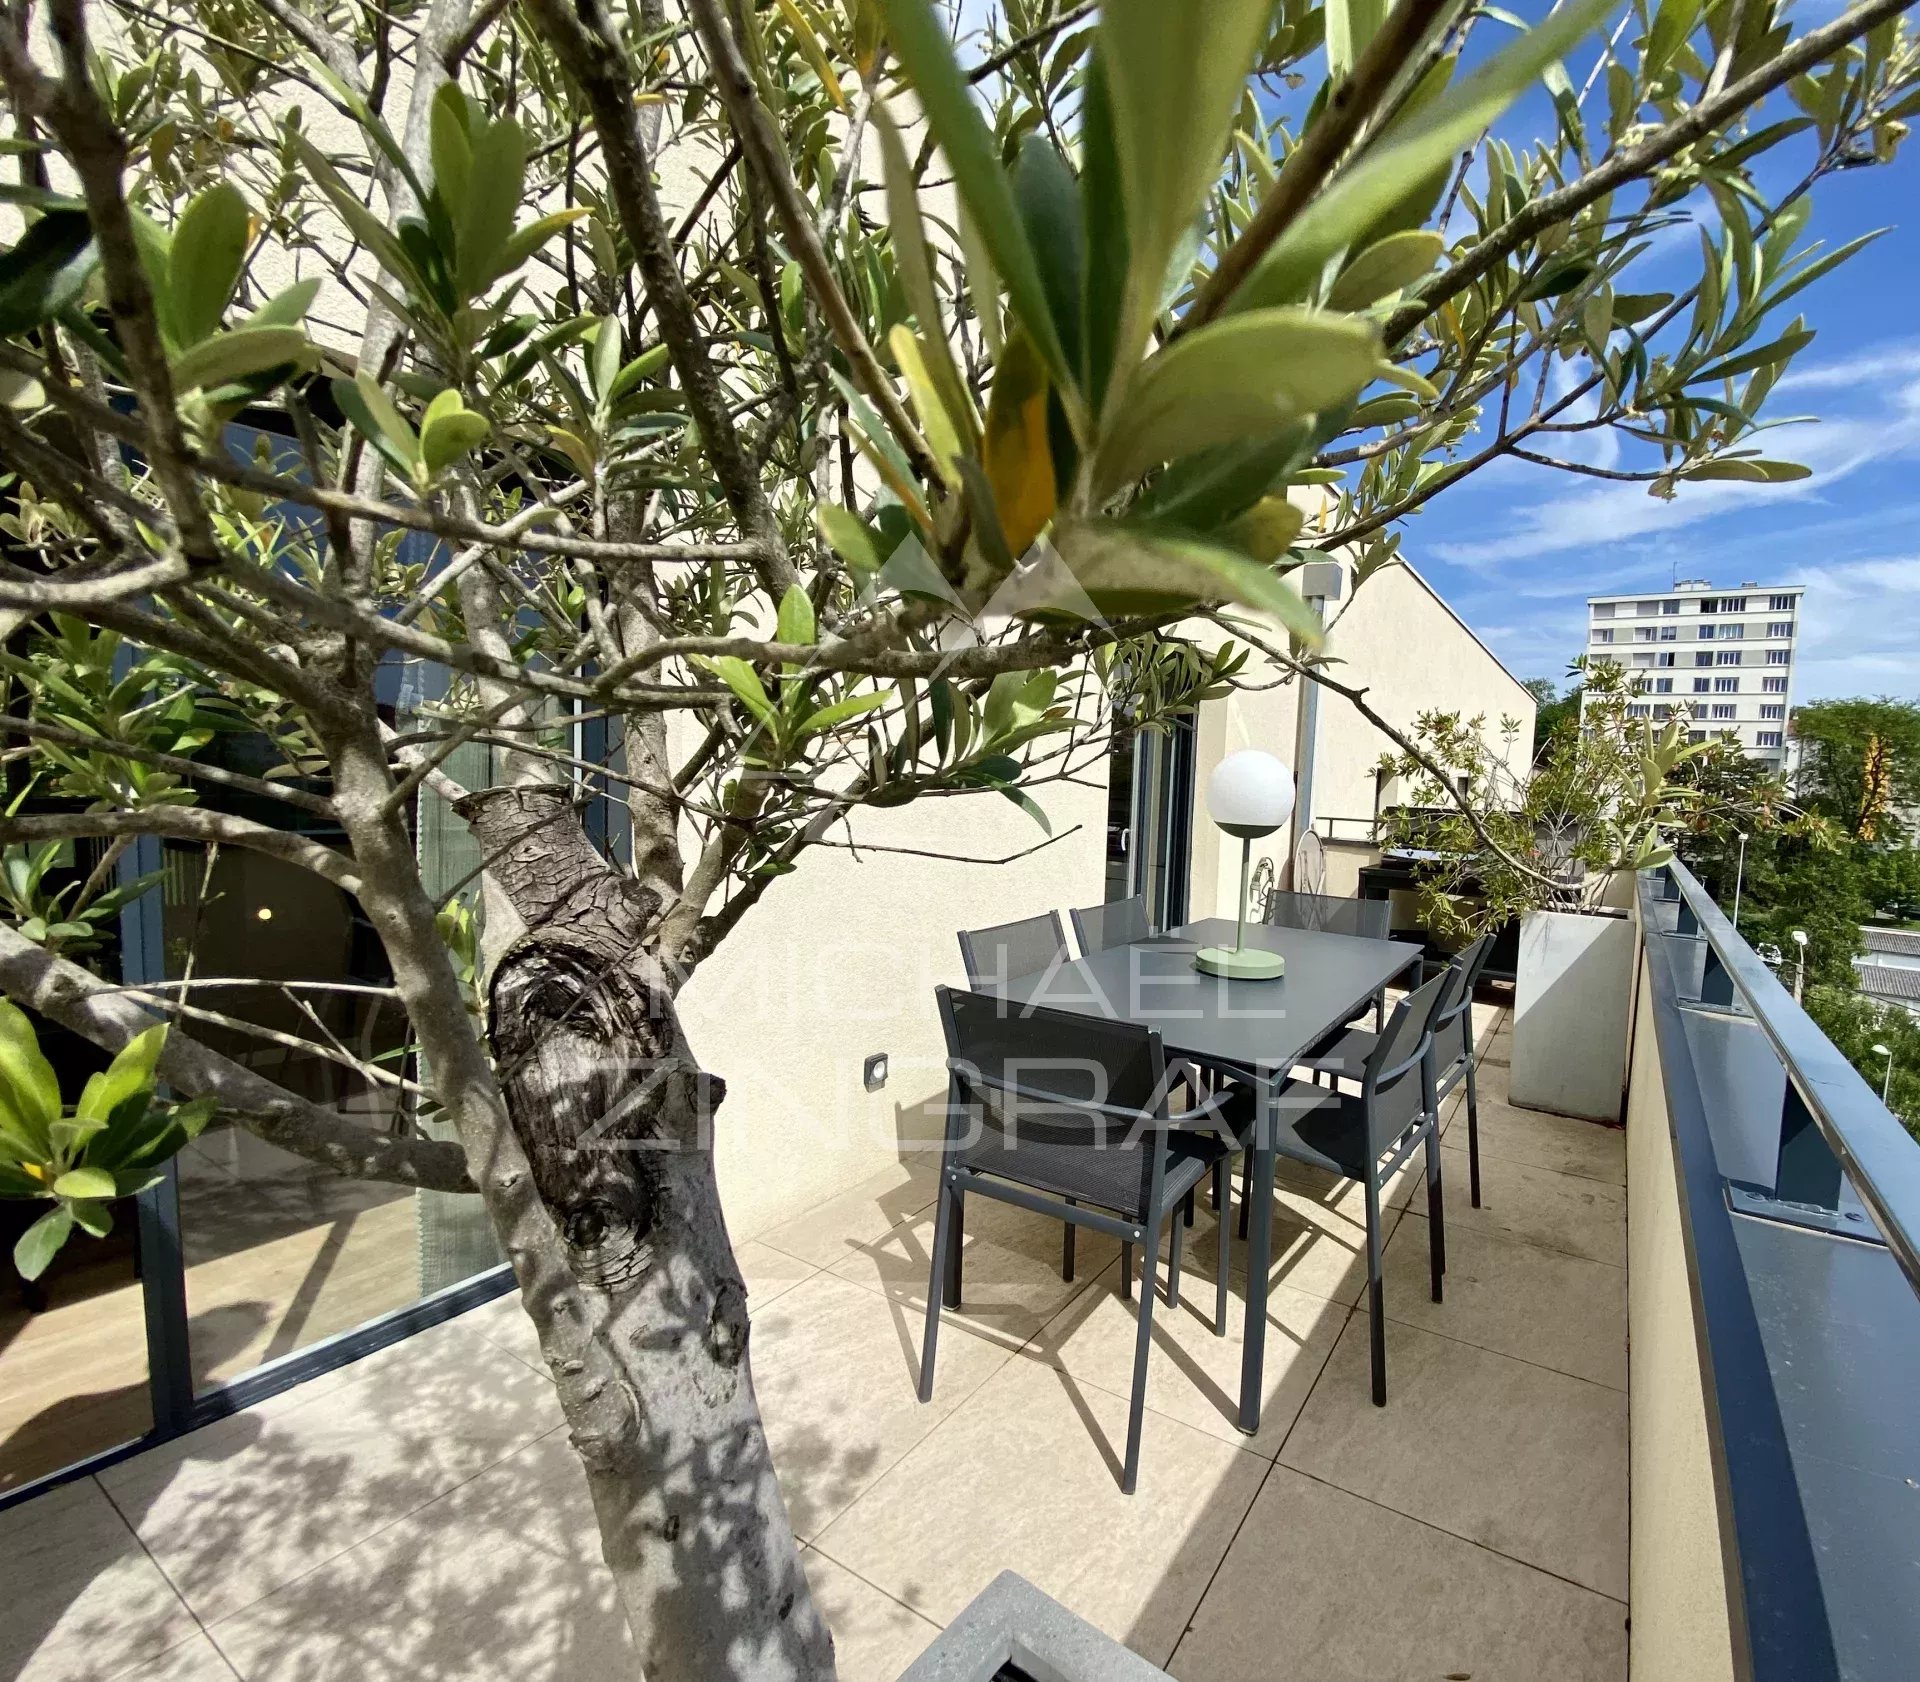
(1245, 963)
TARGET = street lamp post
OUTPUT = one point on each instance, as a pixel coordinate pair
(1800, 967)
(1739, 875)
(1886, 1080)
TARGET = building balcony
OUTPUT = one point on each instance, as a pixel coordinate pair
(1671, 1379)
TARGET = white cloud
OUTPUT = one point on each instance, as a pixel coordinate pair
(1895, 359)
(1591, 519)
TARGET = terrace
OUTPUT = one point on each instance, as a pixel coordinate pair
(1736, 1356)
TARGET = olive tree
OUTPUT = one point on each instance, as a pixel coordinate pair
(843, 414)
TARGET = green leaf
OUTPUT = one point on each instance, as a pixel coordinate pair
(209, 244)
(46, 271)
(526, 240)
(84, 1182)
(1761, 356)
(376, 419)
(1175, 83)
(41, 1242)
(448, 430)
(484, 222)
(1361, 194)
(93, 1216)
(1211, 487)
(940, 426)
(235, 355)
(1752, 469)
(1672, 24)
(1104, 236)
(1351, 24)
(744, 681)
(1029, 805)
(920, 39)
(361, 222)
(1386, 266)
(796, 623)
(849, 537)
(1048, 198)
(1248, 374)
(450, 144)
(29, 1089)
(288, 307)
(128, 1077)
(833, 716)
(1134, 569)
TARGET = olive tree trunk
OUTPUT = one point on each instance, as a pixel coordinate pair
(589, 1138)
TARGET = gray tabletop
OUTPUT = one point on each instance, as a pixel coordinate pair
(1250, 1024)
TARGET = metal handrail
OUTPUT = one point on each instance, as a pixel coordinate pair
(1878, 1156)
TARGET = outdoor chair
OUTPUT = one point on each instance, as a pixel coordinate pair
(1458, 1057)
(1368, 1135)
(996, 955)
(1068, 1116)
(1120, 922)
(1370, 919)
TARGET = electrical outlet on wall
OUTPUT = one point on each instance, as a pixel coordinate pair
(874, 1072)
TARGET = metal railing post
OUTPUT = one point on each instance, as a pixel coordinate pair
(1807, 1170)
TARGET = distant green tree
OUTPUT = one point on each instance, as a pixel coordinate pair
(1555, 709)
(1860, 764)
(1856, 1025)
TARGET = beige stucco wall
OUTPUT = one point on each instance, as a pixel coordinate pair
(1677, 1585)
(840, 960)
(1399, 641)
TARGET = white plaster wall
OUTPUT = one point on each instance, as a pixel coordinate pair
(839, 960)
(1399, 641)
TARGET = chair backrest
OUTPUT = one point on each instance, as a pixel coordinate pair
(996, 955)
(1393, 1083)
(1368, 917)
(1055, 1100)
(1309, 865)
(1120, 922)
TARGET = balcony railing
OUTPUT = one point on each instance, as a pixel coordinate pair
(1799, 1204)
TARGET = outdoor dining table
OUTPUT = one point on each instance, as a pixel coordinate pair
(1254, 1031)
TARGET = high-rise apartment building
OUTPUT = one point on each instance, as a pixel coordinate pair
(1724, 655)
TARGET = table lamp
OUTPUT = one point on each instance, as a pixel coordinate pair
(1249, 794)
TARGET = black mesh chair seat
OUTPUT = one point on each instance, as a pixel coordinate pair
(1119, 922)
(1371, 1134)
(1330, 1129)
(1343, 1053)
(996, 955)
(1068, 1115)
(1368, 918)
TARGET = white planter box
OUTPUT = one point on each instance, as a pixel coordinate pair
(1571, 994)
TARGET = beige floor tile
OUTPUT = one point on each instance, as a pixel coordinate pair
(83, 1601)
(504, 1323)
(1319, 1233)
(233, 1511)
(1323, 1586)
(195, 1660)
(875, 1638)
(498, 1579)
(1025, 1477)
(836, 1369)
(1192, 1375)
(1588, 1149)
(769, 1273)
(841, 1226)
(1535, 1205)
(1499, 1049)
(1010, 1274)
(1544, 1306)
(1530, 1463)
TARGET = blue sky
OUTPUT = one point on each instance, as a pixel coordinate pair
(1517, 548)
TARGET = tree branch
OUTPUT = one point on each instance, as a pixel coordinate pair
(65, 993)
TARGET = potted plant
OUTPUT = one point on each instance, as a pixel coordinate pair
(1545, 843)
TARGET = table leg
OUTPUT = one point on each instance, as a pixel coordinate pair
(1259, 1261)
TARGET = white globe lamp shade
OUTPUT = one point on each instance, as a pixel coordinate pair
(1250, 793)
